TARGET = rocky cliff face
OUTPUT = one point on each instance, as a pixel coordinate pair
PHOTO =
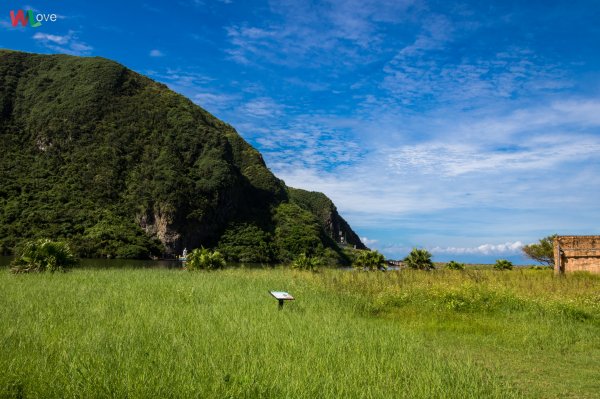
(122, 166)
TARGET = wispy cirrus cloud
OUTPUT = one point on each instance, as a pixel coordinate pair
(305, 33)
(436, 31)
(304, 143)
(182, 78)
(474, 182)
(67, 44)
(156, 53)
(57, 39)
(284, 134)
(450, 160)
(261, 107)
(200, 88)
(215, 102)
(417, 74)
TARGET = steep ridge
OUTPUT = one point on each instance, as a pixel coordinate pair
(122, 166)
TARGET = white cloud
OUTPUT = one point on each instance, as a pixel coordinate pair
(156, 53)
(187, 82)
(368, 241)
(483, 249)
(303, 144)
(441, 177)
(333, 32)
(451, 160)
(52, 38)
(436, 31)
(261, 107)
(215, 102)
(424, 70)
(67, 44)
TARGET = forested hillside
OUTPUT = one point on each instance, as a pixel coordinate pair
(121, 166)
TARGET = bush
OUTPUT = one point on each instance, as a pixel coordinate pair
(370, 260)
(203, 259)
(310, 263)
(44, 255)
(541, 268)
(452, 265)
(419, 259)
(503, 264)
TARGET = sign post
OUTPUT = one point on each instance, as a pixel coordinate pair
(281, 296)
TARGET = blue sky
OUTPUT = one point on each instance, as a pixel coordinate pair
(467, 128)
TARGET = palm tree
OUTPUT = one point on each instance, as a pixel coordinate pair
(44, 255)
(370, 260)
(453, 265)
(419, 259)
(503, 264)
(304, 262)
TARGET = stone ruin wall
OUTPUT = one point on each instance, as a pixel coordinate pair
(577, 253)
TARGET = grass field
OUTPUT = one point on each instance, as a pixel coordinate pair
(169, 333)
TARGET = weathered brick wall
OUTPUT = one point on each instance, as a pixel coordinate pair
(577, 253)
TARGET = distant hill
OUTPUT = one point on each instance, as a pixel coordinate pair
(122, 166)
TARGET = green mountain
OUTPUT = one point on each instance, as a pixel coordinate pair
(121, 166)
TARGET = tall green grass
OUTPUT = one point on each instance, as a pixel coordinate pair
(538, 331)
(168, 333)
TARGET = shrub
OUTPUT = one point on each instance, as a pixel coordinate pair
(503, 264)
(44, 255)
(203, 259)
(452, 265)
(304, 262)
(419, 259)
(541, 268)
(330, 257)
(370, 260)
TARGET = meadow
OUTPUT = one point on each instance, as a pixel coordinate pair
(140, 333)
